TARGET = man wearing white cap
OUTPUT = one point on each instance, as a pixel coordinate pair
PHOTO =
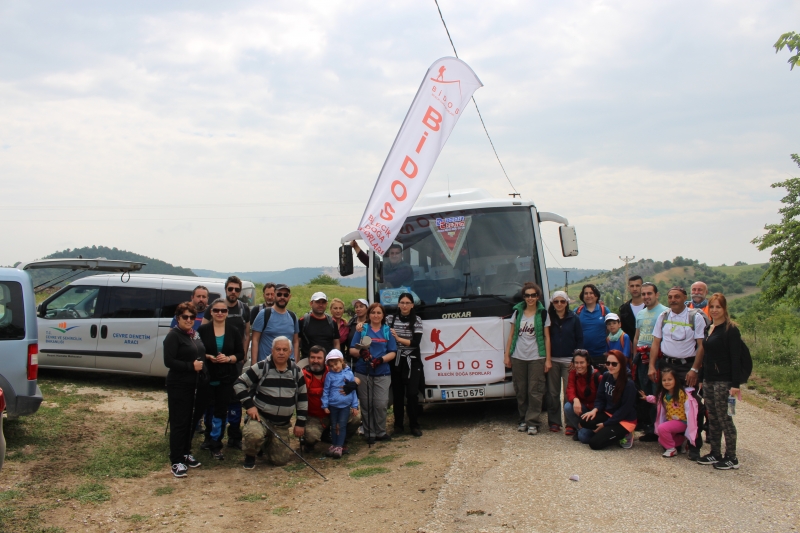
(317, 328)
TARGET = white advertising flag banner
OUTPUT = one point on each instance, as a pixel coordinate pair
(467, 351)
(440, 101)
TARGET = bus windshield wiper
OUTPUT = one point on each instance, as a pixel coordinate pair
(479, 297)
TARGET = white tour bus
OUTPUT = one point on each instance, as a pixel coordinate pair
(117, 323)
(464, 255)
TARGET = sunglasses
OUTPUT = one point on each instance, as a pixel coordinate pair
(531, 295)
(321, 301)
(220, 311)
(188, 317)
(559, 302)
(612, 364)
(234, 289)
(282, 294)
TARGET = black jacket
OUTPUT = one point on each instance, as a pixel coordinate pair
(180, 353)
(566, 335)
(232, 345)
(627, 319)
(723, 355)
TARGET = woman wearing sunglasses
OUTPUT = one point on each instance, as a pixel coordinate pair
(223, 349)
(613, 418)
(528, 356)
(183, 356)
(566, 336)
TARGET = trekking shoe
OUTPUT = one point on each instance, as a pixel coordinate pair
(190, 461)
(337, 453)
(249, 462)
(522, 427)
(416, 432)
(555, 428)
(694, 455)
(627, 442)
(237, 444)
(330, 452)
(671, 452)
(648, 437)
(709, 459)
(570, 431)
(533, 430)
(218, 455)
(179, 470)
(385, 437)
(727, 464)
(206, 445)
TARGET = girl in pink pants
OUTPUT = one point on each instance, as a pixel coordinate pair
(676, 413)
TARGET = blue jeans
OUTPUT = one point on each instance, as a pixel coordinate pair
(571, 418)
(339, 417)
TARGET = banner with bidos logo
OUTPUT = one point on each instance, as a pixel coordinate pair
(463, 351)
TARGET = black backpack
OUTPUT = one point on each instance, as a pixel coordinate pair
(746, 362)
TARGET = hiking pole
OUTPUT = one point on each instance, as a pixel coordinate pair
(364, 344)
(275, 434)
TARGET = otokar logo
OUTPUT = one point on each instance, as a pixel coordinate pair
(62, 327)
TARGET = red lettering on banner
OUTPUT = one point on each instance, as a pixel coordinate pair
(489, 363)
(404, 166)
(387, 211)
(422, 141)
(420, 221)
(461, 365)
(399, 197)
(475, 364)
(437, 365)
(430, 120)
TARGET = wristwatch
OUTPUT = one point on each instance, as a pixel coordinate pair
(693, 369)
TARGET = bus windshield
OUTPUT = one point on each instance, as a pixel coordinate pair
(445, 257)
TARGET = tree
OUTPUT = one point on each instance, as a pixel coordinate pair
(790, 40)
(324, 279)
(782, 277)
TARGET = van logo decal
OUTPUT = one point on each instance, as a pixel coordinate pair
(62, 327)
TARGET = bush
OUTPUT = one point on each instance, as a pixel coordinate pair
(323, 279)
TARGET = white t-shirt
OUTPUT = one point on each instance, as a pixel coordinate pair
(636, 309)
(527, 348)
(677, 338)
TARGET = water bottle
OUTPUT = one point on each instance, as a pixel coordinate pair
(731, 405)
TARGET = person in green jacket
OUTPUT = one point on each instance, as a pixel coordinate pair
(528, 356)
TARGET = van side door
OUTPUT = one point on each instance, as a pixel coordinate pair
(129, 325)
(69, 326)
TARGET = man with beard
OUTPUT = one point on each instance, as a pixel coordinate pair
(631, 308)
(200, 302)
(269, 301)
(274, 322)
(318, 422)
(699, 300)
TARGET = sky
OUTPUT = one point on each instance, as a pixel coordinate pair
(244, 136)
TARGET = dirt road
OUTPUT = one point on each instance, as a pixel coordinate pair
(471, 471)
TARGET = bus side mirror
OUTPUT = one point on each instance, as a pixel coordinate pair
(569, 241)
(345, 260)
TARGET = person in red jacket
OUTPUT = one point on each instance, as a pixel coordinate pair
(318, 420)
(581, 390)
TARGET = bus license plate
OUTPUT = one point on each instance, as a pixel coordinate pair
(450, 394)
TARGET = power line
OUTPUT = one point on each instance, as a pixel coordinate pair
(17, 207)
(476, 103)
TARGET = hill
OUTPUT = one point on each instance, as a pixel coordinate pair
(291, 276)
(733, 281)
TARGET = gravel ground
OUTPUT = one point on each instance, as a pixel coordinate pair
(501, 479)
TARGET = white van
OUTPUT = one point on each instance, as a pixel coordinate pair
(117, 323)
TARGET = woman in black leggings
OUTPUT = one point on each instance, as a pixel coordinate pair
(613, 418)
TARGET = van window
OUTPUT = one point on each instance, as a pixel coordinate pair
(76, 302)
(173, 297)
(12, 311)
(132, 302)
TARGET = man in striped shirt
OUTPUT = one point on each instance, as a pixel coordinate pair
(280, 390)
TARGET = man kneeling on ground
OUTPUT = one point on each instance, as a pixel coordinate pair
(270, 391)
(318, 421)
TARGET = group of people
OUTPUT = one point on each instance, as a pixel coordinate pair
(658, 368)
(333, 375)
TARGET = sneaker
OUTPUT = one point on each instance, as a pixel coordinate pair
(533, 430)
(671, 452)
(360, 430)
(570, 431)
(522, 427)
(648, 437)
(218, 455)
(330, 451)
(416, 432)
(249, 462)
(627, 442)
(237, 444)
(727, 464)
(206, 445)
(179, 470)
(709, 459)
(555, 428)
(190, 461)
(337, 453)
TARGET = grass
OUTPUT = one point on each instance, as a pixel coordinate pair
(301, 296)
(413, 463)
(294, 467)
(11, 495)
(138, 517)
(130, 447)
(252, 497)
(91, 493)
(359, 473)
(371, 460)
(163, 491)
(280, 511)
(776, 359)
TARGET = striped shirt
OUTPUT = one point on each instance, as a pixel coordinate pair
(275, 397)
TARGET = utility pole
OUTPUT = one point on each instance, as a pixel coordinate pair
(566, 281)
(626, 259)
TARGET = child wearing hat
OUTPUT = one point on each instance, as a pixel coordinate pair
(617, 339)
(336, 403)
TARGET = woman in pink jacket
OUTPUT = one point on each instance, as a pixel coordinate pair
(676, 413)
